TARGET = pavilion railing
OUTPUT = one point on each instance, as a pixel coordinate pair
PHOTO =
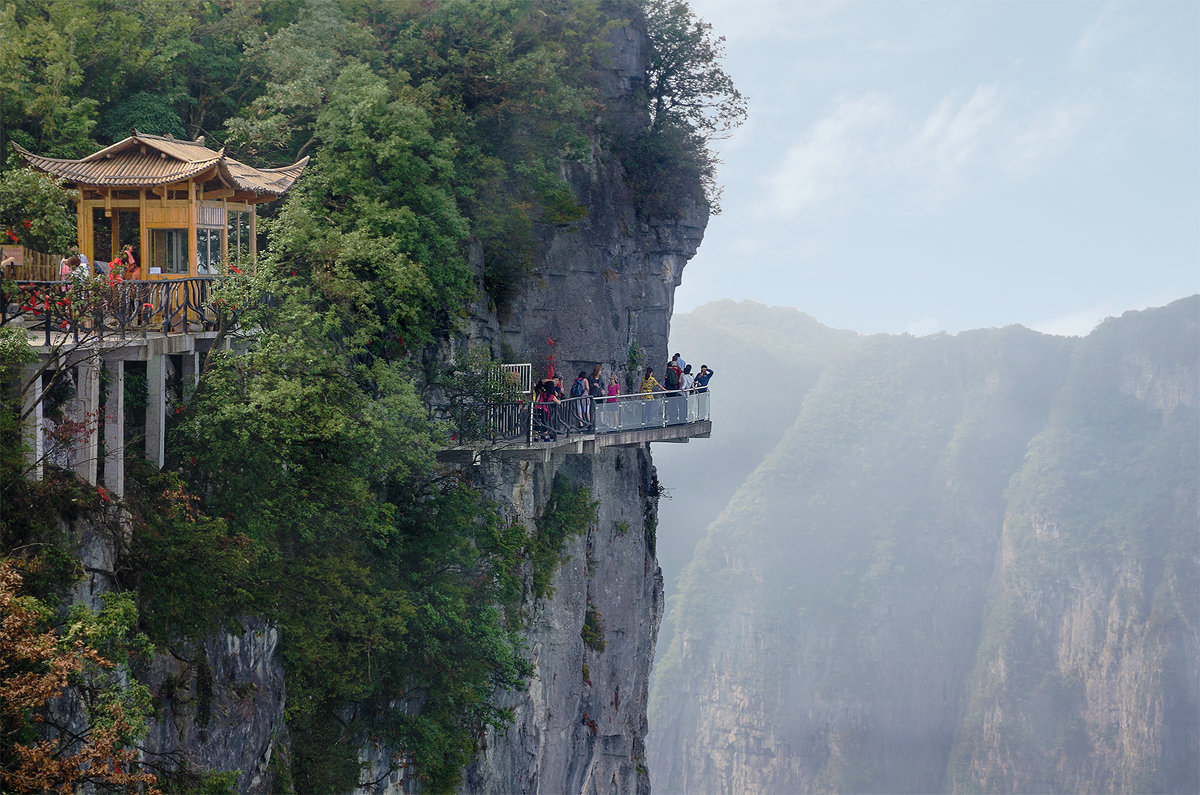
(96, 309)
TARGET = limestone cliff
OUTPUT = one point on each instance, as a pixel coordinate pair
(603, 293)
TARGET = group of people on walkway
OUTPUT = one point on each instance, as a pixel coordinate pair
(679, 379)
(549, 396)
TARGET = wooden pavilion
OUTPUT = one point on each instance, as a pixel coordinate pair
(183, 207)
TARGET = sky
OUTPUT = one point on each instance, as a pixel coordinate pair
(940, 166)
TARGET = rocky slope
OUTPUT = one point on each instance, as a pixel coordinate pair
(970, 565)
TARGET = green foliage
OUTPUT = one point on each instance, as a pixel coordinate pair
(391, 586)
(192, 575)
(112, 633)
(568, 513)
(692, 101)
(592, 631)
(190, 782)
(143, 111)
(35, 209)
(685, 83)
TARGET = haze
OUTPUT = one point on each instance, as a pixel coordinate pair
(917, 166)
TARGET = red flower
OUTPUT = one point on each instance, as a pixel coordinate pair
(235, 269)
(28, 224)
(103, 492)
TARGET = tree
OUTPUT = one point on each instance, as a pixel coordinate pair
(35, 212)
(685, 82)
(38, 664)
(692, 102)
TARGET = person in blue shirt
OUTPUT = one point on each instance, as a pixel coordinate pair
(702, 378)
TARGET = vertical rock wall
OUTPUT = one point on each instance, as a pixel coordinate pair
(603, 294)
(580, 726)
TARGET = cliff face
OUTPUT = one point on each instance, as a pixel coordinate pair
(603, 293)
(1087, 677)
(581, 725)
(218, 700)
(970, 565)
(606, 287)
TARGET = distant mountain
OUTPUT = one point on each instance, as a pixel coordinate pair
(970, 563)
(766, 358)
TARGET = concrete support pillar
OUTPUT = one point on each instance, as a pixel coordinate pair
(32, 431)
(114, 428)
(86, 411)
(156, 408)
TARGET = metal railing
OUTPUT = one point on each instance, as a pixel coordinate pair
(92, 309)
(520, 376)
(525, 422)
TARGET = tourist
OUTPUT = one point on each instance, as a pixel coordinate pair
(596, 389)
(580, 390)
(702, 377)
(133, 271)
(687, 380)
(649, 384)
(614, 389)
(671, 379)
(545, 397)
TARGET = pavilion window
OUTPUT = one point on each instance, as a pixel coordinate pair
(208, 251)
(168, 250)
(239, 237)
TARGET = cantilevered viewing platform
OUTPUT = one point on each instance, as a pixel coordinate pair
(533, 430)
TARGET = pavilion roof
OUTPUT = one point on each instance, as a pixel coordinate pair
(144, 161)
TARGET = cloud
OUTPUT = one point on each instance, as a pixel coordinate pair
(868, 147)
(952, 135)
(837, 157)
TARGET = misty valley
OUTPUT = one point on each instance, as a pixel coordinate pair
(918, 564)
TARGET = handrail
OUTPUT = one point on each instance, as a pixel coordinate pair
(542, 421)
(169, 305)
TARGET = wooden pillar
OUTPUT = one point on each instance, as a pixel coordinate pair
(115, 214)
(83, 222)
(193, 209)
(35, 438)
(86, 411)
(193, 244)
(143, 236)
(156, 408)
(114, 428)
(254, 238)
(225, 231)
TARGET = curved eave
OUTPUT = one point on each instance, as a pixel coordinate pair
(136, 171)
(268, 183)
